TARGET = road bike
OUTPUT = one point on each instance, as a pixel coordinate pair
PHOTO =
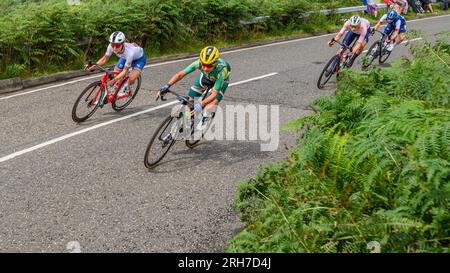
(377, 50)
(334, 64)
(179, 125)
(120, 95)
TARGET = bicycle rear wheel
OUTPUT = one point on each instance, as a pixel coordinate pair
(328, 71)
(88, 102)
(161, 142)
(126, 97)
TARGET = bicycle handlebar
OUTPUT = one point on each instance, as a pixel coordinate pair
(110, 73)
(179, 97)
(382, 33)
(341, 44)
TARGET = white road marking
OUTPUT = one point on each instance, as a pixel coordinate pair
(193, 58)
(404, 42)
(64, 137)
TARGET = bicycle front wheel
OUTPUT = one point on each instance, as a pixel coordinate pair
(192, 142)
(328, 71)
(161, 142)
(384, 55)
(88, 102)
(123, 98)
(371, 54)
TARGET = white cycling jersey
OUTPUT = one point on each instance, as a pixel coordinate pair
(361, 31)
(131, 53)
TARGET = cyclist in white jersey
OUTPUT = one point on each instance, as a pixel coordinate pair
(130, 56)
(357, 28)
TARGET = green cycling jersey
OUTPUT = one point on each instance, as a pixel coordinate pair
(220, 73)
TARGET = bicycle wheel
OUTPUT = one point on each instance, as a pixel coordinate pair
(161, 142)
(85, 105)
(121, 102)
(384, 55)
(328, 71)
(191, 143)
(371, 54)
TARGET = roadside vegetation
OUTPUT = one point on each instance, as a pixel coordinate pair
(372, 164)
(46, 36)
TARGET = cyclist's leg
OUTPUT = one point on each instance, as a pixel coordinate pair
(119, 66)
(365, 41)
(212, 106)
(388, 31)
(138, 67)
(361, 48)
(349, 38)
(197, 89)
(401, 34)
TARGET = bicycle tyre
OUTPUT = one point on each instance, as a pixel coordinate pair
(331, 66)
(384, 55)
(116, 106)
(191, 144)
(370, 55)
(75, 116)
(151, 164)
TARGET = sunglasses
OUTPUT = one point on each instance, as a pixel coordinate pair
(116, 45)
(208, 65)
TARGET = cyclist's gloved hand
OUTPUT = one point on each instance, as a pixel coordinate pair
(164, 89)
(197, 106)
(331, 42)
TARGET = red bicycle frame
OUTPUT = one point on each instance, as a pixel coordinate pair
(104, 84)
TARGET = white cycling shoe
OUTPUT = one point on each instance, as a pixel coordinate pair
(390, 47)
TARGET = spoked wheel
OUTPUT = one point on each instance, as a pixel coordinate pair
(372, 54)
(123, 98)
(161, 142)
(88, 102)
(191, 143)
(384, 55)
(328, 71)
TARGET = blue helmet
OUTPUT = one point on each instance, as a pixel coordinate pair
(392, 14)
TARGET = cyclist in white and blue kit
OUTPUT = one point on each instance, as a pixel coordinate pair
(130, 56)
(396, 25)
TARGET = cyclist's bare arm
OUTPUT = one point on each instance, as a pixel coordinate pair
(122, 73)
(337, 38)
(357, 48)
(211, 98)
(378, 25)
(100, 62)
(394, 35)
(175, 78)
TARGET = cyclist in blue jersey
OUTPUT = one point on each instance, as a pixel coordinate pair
(395, 28)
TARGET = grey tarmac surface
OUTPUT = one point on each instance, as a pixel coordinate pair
(93, 187)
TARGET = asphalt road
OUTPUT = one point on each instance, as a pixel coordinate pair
(92, 187)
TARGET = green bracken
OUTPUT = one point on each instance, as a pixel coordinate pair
(50, 35)
(372, 164)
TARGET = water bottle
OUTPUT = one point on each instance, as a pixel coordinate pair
(187, 119)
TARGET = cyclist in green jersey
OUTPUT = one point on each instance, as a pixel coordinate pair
(215, 73)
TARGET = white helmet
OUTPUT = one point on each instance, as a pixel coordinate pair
(355, 20)
(117, 37)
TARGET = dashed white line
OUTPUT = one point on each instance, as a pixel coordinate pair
(193, 58)
(61, 138)
(404, 42)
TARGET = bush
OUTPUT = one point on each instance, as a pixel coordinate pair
(373, 165)
(47, 35)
